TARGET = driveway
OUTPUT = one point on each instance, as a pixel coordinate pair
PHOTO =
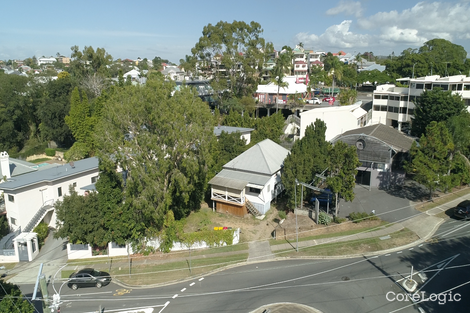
(391, 205)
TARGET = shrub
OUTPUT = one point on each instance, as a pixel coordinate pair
(42, 230)
(357, 217)
(50, 152)
(339, 220)
(324, 218)
(282, 214)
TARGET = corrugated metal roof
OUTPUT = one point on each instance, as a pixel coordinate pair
(50, 174)
(248, 178)
(230, 129)
(219, 180)
(266, 157)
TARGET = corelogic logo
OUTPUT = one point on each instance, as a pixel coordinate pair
(440, 298)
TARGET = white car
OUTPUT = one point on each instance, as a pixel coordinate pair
(314, 101)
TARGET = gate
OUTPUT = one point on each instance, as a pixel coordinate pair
(23, 251)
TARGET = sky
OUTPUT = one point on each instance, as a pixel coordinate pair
(169, 29)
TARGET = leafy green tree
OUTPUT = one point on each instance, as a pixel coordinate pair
(228, 147)
(440, 53)
(162, 139)
(53, 104)
(89, 61)
(234, 54)
(157, 63)
(347, 96)
(342, 167)
(431, 161)
(80, 220)
(80, 123)
(375, 77)
(308, 157)
(435, 105)
(13, 300)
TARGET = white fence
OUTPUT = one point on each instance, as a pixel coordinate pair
(85, 251)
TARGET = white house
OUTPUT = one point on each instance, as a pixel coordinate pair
(30, 198)
(134, 74)
(338, 119)
(268, 93)
(245, 133)
(44, 60)
(394, 106)
(251, 181)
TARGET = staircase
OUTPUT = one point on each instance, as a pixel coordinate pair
(251, 208)
(38, 217)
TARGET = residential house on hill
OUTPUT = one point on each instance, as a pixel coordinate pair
(249, 182)
(381, 150)
(245, 133)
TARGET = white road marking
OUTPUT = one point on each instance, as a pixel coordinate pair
(458, 228)
(387, 254)
(411, 249)
(182, 290)
(176, 295)
(420, 245)
(191, 284)
(399, 252)
(201, 279)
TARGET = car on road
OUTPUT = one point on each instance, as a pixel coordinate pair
(88, 277)
(329, 99)
(463, 210)
(313, 101)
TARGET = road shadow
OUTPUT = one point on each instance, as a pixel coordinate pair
(409, 190)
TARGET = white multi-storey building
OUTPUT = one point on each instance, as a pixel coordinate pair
(394, 106)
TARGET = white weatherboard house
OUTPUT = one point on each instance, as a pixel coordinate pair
(338, 119)
(250, 181)
(30, 198)
(245, 133)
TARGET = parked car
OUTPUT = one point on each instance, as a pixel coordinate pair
(88, 277)
(323, 197)
(329, 99)
(313, 101)
(463, 210)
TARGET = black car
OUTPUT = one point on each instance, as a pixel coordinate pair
(88, 277)
(463, 210)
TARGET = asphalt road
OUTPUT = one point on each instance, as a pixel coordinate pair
(344, 285)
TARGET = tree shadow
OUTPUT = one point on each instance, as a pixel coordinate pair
(409, 190)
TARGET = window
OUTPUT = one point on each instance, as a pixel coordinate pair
(376, 107)
(466, 87)
(453, 87)
(376, 96)
(384, 97)
(383, 108)
(419, 86)
(428, 86)
(411, 111)
(395, 109)
(403, 110)
(390, 109)
(59, 191)
(33, 245)
(74, 185)
(13, 221)
(255, 190)
(94, 179)
(404, 98)
(11, 198)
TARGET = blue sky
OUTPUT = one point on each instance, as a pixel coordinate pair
(169, 29)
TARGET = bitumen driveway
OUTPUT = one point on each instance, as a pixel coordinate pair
(390, 205)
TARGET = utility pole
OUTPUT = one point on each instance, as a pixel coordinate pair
(45, 294)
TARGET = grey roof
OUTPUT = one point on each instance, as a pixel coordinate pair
(266, 157)
(230, 129)
(247, 178)
(397, 140)
(221, 180)
(50, 174)
(19, 167)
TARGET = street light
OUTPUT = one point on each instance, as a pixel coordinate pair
(295, 212)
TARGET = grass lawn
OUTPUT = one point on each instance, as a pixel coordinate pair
(335, 234)
(399, 238)
(444, 198)
(41, 160)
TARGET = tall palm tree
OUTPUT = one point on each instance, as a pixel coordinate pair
(336, 71)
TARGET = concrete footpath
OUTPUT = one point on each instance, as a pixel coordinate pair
(53, 253)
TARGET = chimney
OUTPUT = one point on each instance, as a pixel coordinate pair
(5, 164)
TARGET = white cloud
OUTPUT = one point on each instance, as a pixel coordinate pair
(346, 7)
(408, 28)
(335, 37)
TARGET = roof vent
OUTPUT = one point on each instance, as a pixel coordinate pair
(72, 165)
